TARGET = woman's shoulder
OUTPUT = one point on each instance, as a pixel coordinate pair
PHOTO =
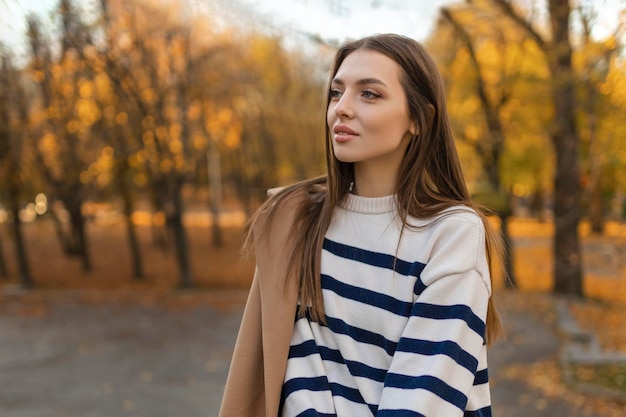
(284, 202)
(300, 192)
(461, 213)
(453, 216)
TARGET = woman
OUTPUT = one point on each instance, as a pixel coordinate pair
(384, 263)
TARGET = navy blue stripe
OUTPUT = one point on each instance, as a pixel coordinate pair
(329, 354)
(399, 413)
(373, 298)
(482, 377)
(429, 383)
(351, 394)
(483, 412)
(419, 286)
(458, 311)
(355, 368)
(319, 383)
(311, 384)
(361, 335)
(445, 347)
(303, 349)
(364, 371)
(378, 259)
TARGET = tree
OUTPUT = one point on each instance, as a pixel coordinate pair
(145, 100)
(281, 107)
(115, 129)
(611, 130)
(149, 62)
(3, 264)
(490, 148)
(594, 60)
(65, 150)
(10, 154)
(565, 140)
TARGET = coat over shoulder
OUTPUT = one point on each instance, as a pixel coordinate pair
(256, 375)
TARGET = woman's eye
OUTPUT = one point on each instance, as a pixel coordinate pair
(334, 94)
(370, 94)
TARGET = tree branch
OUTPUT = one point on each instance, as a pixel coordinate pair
(460, 30)
(491, 154)
(507, 9)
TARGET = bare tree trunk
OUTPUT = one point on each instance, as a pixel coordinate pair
(174, 215)
(10, 153)
(79, 237)
(507, 242)
(159, 232)
(183, 98)
(13, 188)
(3, 265)
(215, 183)
(595, 210)
(20, 248)
(567, 192)
(61, 236)
(131, 231)
(133, 241)
(14, 184)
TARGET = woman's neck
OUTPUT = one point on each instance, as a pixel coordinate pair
(372, 182)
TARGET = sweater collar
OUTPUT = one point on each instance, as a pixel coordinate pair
(371, 205)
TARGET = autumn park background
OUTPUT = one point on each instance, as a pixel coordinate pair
(136, 138)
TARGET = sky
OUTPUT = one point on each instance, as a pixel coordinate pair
(341, 19)
(328, 19)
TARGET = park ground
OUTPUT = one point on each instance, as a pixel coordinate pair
(103, 344)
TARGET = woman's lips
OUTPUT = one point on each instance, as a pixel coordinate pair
(344, 134)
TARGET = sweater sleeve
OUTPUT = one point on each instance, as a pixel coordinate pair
(441, 355)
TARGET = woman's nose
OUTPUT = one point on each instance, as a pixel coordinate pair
(344, 107)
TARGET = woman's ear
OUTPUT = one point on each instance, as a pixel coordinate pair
(430, 115)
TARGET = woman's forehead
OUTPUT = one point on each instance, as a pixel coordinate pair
(365, 64)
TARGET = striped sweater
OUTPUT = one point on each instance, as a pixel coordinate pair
(405, 319)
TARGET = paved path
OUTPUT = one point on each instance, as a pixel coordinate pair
(67, 359)
(113, 360)
(528, 342)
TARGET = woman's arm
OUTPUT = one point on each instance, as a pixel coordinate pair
(440, 360)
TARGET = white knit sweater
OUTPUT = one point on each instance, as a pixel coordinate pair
(408, 342)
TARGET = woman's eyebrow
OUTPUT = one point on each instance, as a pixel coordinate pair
(362, 81)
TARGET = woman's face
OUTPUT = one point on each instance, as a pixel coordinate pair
(367, 115)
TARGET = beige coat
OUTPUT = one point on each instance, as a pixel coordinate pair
(257, 370)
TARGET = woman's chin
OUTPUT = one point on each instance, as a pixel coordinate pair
(346, 157)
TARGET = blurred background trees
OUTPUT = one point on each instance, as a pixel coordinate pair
(524, 94)
(144, 107)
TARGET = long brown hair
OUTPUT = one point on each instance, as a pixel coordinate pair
(430, 178)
